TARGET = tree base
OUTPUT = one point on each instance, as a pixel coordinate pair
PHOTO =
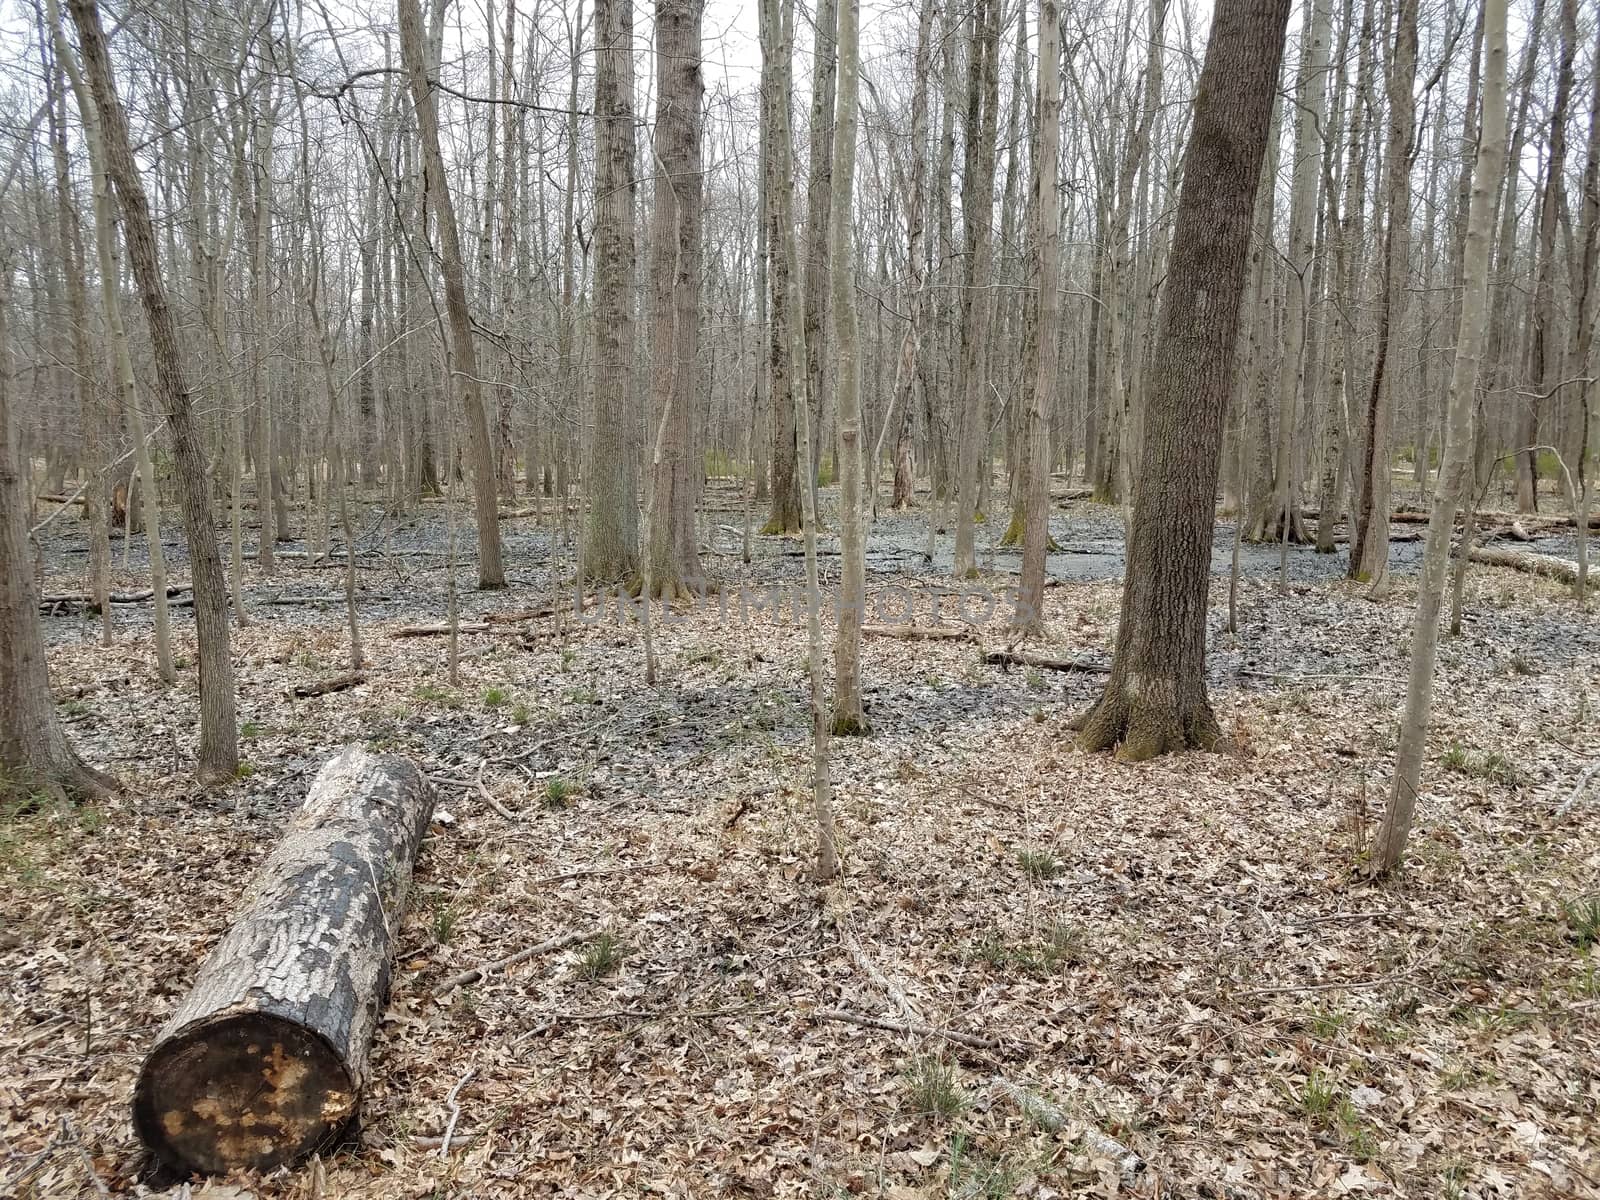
(1138, 729)
(776, 528)
(848, 726)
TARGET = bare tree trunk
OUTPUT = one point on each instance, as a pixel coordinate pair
(782, 197)
(1155, 700)
(777, 38)
(1453, 466)
(848, 716)
(34, 752)
(463, 354)
(1029, 614)
(119, 361)
(1280, 518)
(219, 745)
(914, 171)
(824, 68)
(675, 300)
(977, 195)
(1369, 548)
(1545, 346)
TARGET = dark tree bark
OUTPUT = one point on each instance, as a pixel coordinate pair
(1155, 700)
(219, 734)
(677, 465)
(34, 753)
(611, 547)
(265, 1058)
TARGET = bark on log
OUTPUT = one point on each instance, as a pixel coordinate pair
(265, 1059)
(1562, 569)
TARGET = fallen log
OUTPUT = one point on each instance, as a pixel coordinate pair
(86, 601)
(919, 633)
(1546, 565)
(336, 683)
(1045, 662)
(265, 1059)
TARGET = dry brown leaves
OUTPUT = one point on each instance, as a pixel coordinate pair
(1178, 957)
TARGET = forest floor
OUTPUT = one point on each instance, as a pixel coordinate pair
(1160, 980)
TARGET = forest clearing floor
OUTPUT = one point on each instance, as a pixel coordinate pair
(1170, 978)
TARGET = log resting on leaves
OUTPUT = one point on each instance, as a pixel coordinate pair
(265, 1059)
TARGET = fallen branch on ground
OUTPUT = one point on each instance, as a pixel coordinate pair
(1548, 566)
(914, 1028)
(86, 601)
(336, 683)
(1045, 662)
(1587, 774)
(920, 633)
(521, 956)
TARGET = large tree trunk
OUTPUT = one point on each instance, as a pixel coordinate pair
(611, 542)
(1396, 827)
(219, 735)
(463, 352)
(1155, 700)
(675, 299)
(266, 1057)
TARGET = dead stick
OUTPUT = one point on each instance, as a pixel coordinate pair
(521, 956)
(910, 1027)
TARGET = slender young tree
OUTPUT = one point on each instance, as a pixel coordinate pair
(1447, 493)
(1155, 700)
(1369, 548)
(848, 715)
(463, 352)
(219, 734)
(1029, 614)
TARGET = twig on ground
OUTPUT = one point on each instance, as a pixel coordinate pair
(915, 1028)
(71, 1134)
(455, 1111)
(549, 946)
(1578, 789)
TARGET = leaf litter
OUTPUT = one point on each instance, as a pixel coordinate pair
(1043, 973)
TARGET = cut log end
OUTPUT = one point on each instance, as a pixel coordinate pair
(246, 1090)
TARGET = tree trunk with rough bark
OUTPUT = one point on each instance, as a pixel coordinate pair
(34, 752)
(777, 36)
(1155, 700)
(219, 735)
(265, 1058)
(676, 468)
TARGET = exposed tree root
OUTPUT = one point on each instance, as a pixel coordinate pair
(1136, 729)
